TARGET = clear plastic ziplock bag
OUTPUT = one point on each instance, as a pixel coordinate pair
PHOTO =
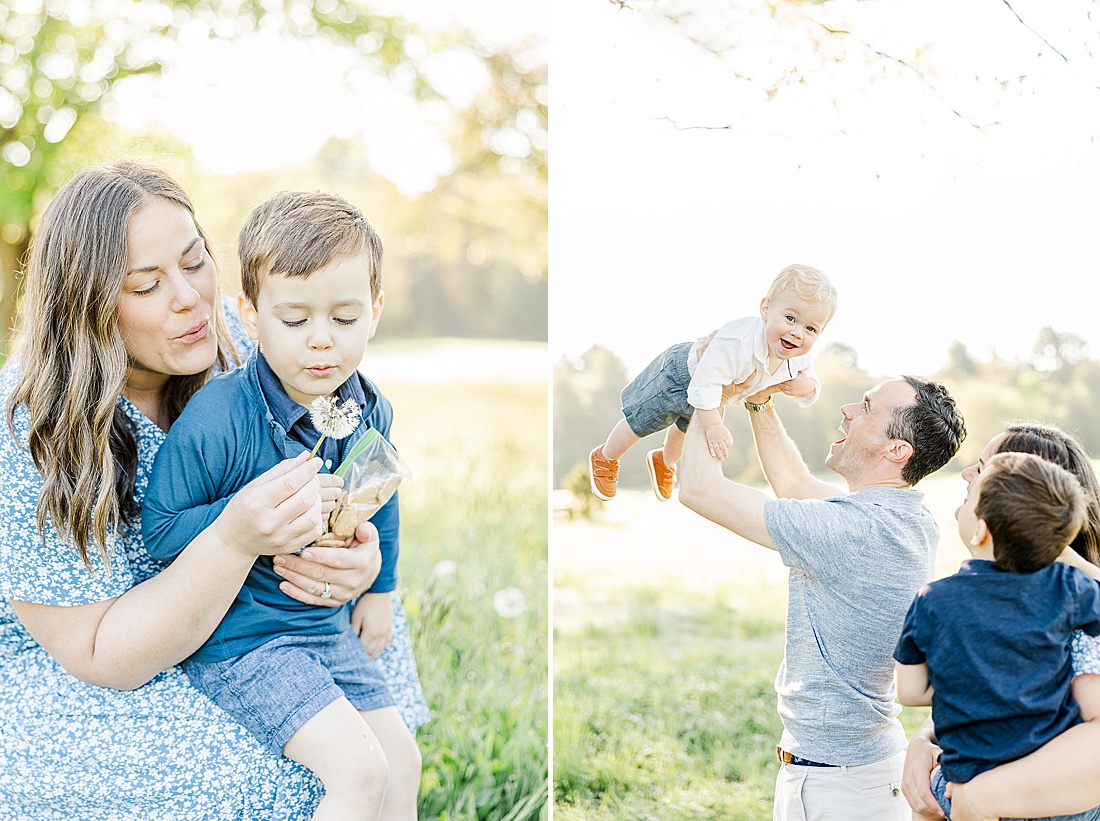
(371, 471)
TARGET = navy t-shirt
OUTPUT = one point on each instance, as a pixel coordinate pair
(997, 645)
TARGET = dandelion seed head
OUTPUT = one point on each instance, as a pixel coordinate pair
(509, 602)
(333, 419)
(444, 569)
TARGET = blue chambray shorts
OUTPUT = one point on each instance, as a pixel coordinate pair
(276, 688)
(657, 397)
(939, 786)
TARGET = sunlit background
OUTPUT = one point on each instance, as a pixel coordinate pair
(938, 160)
(431, 116)
(433, 122)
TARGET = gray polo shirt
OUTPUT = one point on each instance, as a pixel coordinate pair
(856, 562)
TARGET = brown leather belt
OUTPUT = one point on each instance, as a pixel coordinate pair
(787, 758)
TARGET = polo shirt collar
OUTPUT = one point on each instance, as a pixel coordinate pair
(285, 410)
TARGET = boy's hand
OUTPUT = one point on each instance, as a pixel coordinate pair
(330, 491)
(719, 440)
(372, 621)
(801, 386)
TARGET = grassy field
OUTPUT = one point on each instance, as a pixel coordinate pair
(668, 632)
(474, 581)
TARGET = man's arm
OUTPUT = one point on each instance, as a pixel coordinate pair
(914, 689)
(783, 465)
(703, 488)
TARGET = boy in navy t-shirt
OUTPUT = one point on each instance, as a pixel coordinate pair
(988, 647)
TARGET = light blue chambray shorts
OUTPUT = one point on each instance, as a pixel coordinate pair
(939, 786)
(657, 397)
(276, 688)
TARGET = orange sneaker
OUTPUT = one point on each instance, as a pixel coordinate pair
(660, 474)
(604, 474)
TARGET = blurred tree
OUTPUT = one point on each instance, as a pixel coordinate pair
(1058, 353)
(586, 405)
(843, 353)
(959, 361)
(59, 60)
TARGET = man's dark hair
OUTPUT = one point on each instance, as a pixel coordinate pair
(932, 425)
(1032, 507)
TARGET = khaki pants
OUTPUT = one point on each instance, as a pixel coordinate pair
(871, 792)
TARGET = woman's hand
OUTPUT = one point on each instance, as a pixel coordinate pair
(961, 807)
(349, 571)
(277, 512)
(920, 760)
(372, 621)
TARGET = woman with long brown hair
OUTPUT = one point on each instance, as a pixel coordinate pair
(122, 324)
(1063, 776)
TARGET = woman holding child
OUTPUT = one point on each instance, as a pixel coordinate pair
(95, 718)
(1063, 776)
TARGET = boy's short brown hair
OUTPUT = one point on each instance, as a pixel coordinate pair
(296, 232)
(1033, 509)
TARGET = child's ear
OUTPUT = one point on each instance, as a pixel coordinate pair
(247, 312)
(981, 534)
(376, 313)
(764, 309)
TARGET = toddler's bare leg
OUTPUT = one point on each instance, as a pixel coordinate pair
(674, 445)
(403, 756)
(619, 441)
(344, 752)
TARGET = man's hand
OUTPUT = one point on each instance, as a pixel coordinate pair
(920, 761)
(734, 388)
(372, 621)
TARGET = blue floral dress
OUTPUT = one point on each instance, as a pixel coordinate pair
(71, 751)
(1086, 653)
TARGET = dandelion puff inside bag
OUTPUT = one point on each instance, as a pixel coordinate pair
(371, 471)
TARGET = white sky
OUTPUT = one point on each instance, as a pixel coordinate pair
(931, 229)
(265, 100)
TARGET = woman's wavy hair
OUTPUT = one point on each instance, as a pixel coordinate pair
(73, 358)
(1059, 447)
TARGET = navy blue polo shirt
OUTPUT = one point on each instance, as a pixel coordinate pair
(295, 417)
(997, 646)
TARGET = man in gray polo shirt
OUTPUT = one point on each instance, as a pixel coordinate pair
(856, 560)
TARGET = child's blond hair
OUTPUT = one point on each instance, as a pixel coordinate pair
(809, 283)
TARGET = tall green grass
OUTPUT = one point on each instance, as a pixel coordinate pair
(473, 578)
(669, 713)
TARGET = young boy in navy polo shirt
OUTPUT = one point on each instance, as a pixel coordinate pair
(295, 674)
(989, 647)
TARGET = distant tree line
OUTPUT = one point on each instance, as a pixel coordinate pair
(1057, 385)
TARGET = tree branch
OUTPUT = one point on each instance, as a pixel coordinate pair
(1049, 45)
(910, 67)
